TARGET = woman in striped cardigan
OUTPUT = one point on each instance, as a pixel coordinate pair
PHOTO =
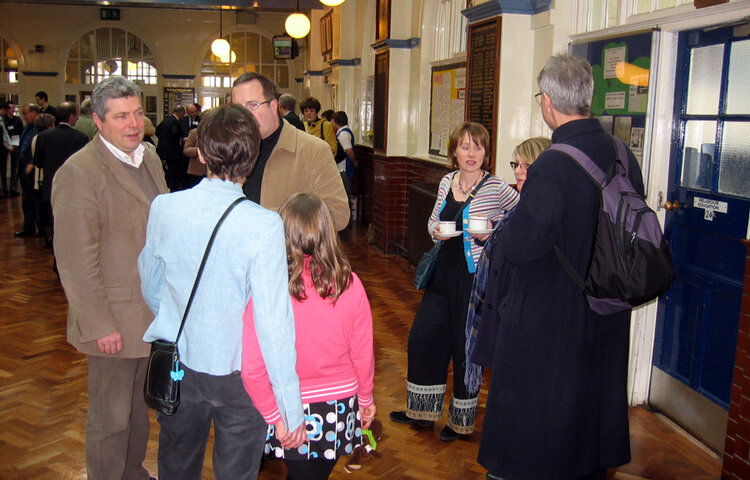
(437, 334)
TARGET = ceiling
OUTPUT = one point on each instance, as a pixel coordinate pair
(247, 5)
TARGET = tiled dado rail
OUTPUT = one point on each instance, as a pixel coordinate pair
(737, 446)
(383, 187)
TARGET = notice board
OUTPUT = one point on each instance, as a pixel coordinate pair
(174, 96)
(447, 104)
(622, 81)
(483, 66)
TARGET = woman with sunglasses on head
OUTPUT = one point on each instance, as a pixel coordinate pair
(524, 155)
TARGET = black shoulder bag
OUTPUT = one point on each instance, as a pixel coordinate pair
(162, 388)
(426, 265)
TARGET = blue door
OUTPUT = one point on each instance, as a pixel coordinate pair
(708, 205)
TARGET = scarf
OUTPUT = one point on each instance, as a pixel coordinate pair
(473, 372)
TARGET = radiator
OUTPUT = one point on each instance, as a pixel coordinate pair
(421, 201)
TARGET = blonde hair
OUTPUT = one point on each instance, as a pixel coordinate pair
(532, 148)
(309, 232)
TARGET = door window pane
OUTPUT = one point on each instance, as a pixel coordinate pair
(738, 93)
(705, 80)
(734, 170)
(698, 155)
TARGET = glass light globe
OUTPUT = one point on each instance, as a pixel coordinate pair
(297, 25)
(220, 48)
(332, 3)
(229, 57)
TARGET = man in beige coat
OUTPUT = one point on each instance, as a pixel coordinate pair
(290, 160)
(101, 198)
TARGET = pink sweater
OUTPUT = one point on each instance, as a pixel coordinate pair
(334, 350)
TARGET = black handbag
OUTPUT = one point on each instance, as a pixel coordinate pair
(161, 391)
(426, 265)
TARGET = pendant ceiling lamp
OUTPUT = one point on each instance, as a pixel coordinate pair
(297, 25)
(332, 3)
(220, 47)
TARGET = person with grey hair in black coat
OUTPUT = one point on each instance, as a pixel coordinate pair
(557, 407)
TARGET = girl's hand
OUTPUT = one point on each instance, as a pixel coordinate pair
(292, 439)
(366, 415)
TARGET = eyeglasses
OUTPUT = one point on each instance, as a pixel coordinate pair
(253, 106)
(514, 165)
(538, 98)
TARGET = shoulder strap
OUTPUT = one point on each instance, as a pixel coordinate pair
(587, 164)
(596, 174)
(472, 194)
(203, 263)
(322, 124)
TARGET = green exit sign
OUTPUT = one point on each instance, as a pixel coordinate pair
(110, 14)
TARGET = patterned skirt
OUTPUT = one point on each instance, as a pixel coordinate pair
(333, 430)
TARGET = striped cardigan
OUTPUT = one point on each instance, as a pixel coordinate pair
(492, 200)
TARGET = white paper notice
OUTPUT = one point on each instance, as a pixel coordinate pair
(614, 100)
(613, 56)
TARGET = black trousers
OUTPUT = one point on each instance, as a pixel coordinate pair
(313, 469)
(436, 338)
(4, 169)
(28, 199)
(14, 169)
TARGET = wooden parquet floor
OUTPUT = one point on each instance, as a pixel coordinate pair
(43, 396)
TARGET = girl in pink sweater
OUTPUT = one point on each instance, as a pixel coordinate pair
(335, 361)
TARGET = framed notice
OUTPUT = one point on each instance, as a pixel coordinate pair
(174, 96)
(622, 69)
(383, 20)
(483, 76)
(447, 104)
(326, 36)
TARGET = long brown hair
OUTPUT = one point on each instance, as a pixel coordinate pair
(309, 232)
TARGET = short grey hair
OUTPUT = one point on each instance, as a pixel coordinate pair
(115, 86)
(287, 101)
(86, 107)
(569, 83)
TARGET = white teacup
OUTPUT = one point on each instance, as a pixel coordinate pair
(448, 227)
(478, 223)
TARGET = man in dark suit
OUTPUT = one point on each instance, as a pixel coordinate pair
(14, 125)
(287, 105)
(169, 133)
(191, 120)
(43, 101)
(29, 113)
(53, 147)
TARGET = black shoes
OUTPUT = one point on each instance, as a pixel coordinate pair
(400, 417)
(447, 434)
(24, 233)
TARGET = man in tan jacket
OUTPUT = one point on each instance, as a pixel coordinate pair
(101, 198)
(290, 160)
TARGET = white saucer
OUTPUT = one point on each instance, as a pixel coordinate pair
(450, 235)
(480, 232)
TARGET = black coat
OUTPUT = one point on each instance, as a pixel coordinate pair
(169, 133)
(292, 118)
(53, 148)
(557, 407)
